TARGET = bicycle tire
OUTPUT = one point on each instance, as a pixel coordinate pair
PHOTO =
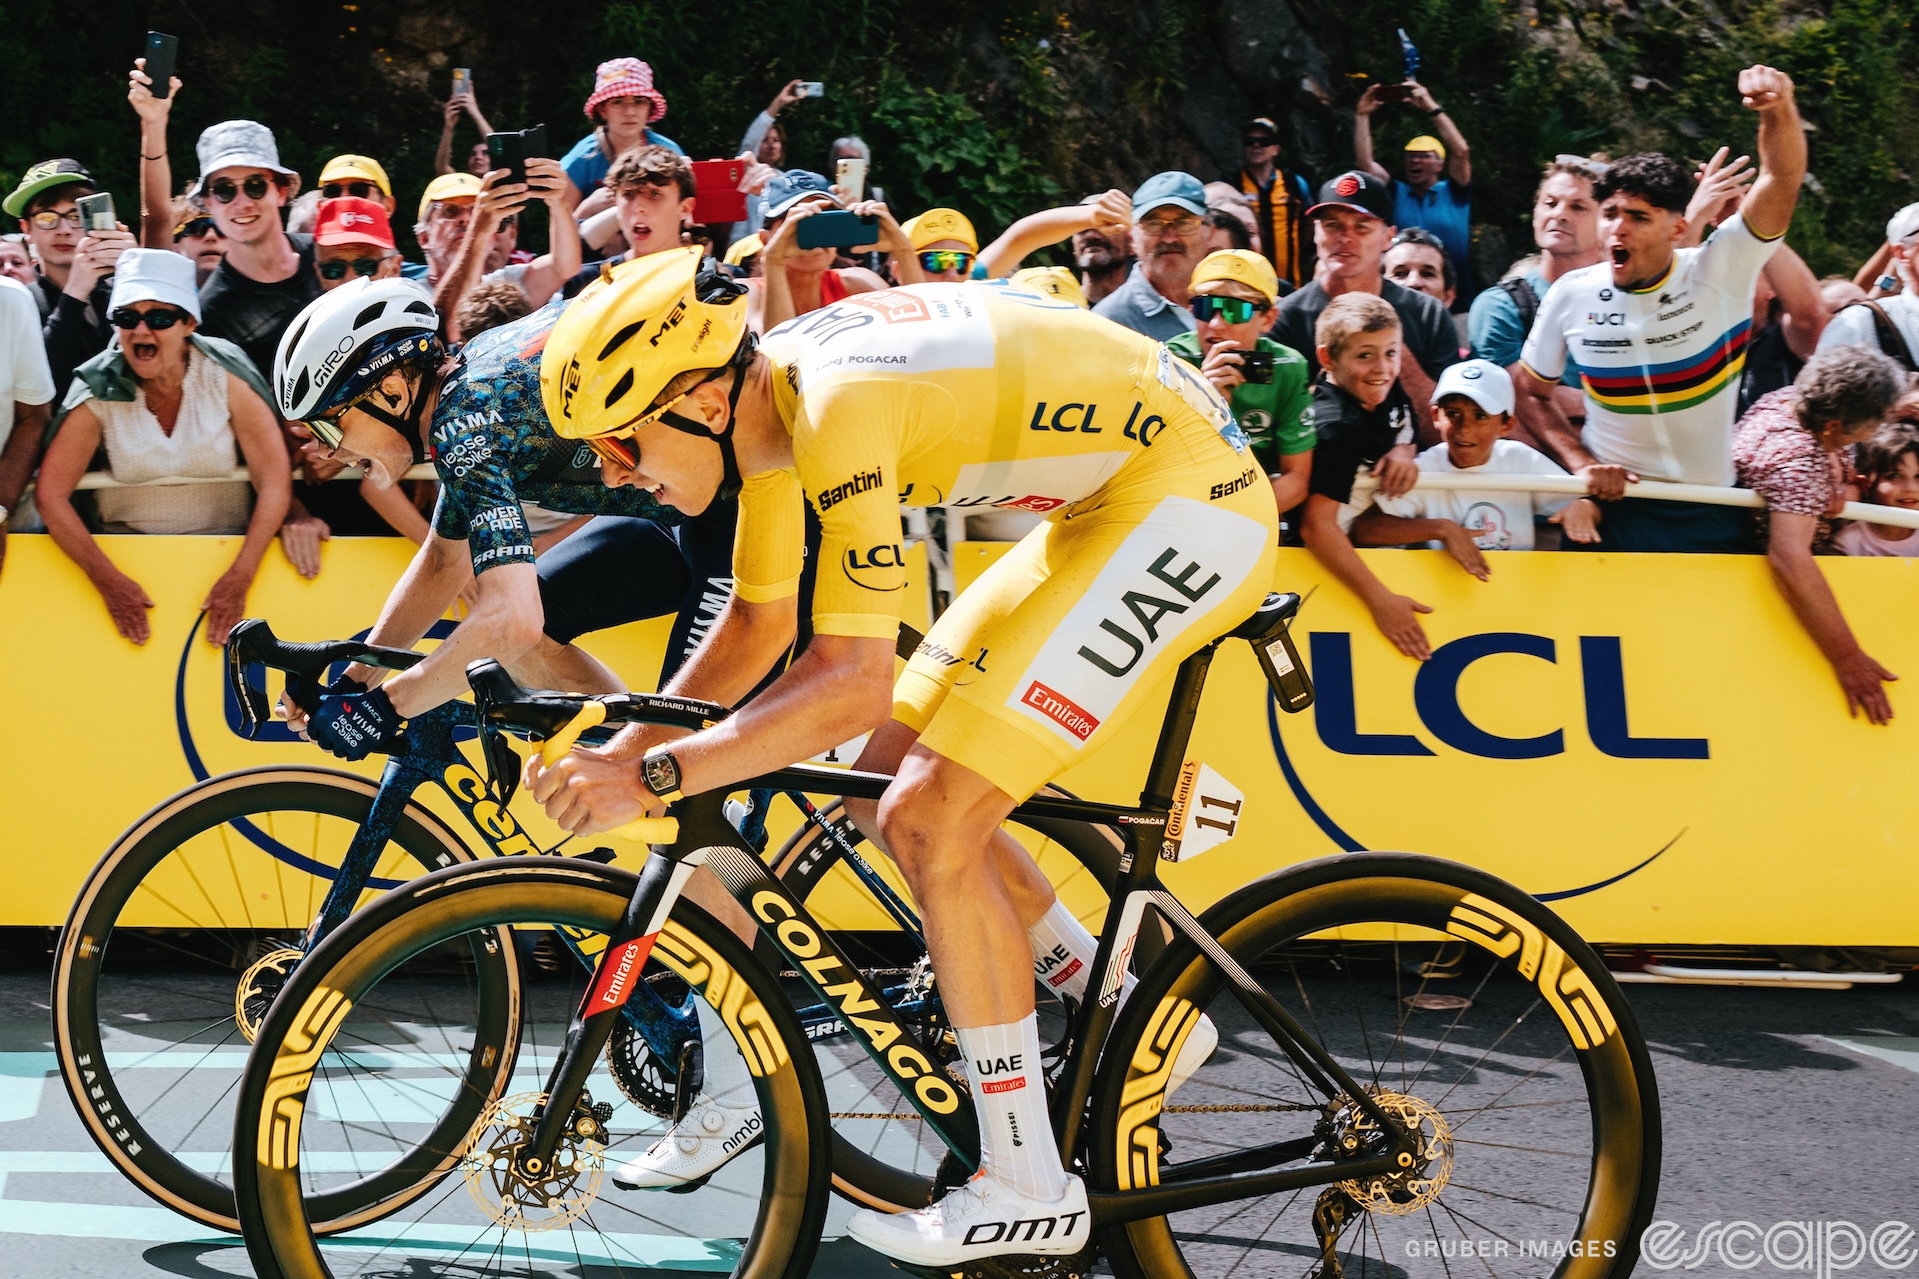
(120, 878)
(414, 918)
(1349, 917)
(806, 863)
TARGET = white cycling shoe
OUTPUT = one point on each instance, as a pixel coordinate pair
(696, 1147)
(1201, 1042)
(986, 1217)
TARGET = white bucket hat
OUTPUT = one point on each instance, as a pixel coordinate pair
(155, 275)
(244, 144)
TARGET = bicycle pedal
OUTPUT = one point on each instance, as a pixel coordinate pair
(601, 855)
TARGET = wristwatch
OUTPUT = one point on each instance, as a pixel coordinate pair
(660, 773)
(1437, 111)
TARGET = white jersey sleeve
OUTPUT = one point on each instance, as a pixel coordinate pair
(1545, 349)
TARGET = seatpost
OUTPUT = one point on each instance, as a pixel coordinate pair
(1176, 730)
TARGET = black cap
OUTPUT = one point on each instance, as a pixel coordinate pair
(1356, 190)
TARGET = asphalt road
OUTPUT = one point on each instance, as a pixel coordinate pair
(1780, 1107)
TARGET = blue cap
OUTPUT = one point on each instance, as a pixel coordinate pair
(1175, 188)
(789, 188)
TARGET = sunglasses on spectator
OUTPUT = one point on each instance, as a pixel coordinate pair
(336, 268)
(1231, 310)
(226, 190)
(47, 219)
(934, 261)
(1184, 225)
(1260, 140)
(158, 320)
(358, 190)
(197, 227)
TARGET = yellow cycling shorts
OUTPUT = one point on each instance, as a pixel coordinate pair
(1039, 661)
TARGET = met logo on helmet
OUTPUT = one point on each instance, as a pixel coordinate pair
(570, 382)
(673, 318)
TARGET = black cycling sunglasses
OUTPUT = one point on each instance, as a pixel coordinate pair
(194, 229)
(226, 190)
(158, 320)
(358, 190)
(337, 268)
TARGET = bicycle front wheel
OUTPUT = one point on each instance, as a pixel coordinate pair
(1463, 1008)
(174, 949)
(338, 1083)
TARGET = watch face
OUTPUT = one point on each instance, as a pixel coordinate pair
(662, 773)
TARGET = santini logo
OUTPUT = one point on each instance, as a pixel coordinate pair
(864, 482)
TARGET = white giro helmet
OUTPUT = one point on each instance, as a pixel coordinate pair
(345, 341)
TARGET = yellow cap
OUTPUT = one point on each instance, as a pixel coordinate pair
(448, 186)
(361, 168)
(1427, 142)
(743, 248)
(1055, 281)
(630, 333)
(1241, 266)
(935, 225)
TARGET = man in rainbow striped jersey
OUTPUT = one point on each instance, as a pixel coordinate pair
(1658, 335)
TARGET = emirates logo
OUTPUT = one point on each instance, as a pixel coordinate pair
(1347, 186)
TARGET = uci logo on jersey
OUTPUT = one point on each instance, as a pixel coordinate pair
(1605, 317)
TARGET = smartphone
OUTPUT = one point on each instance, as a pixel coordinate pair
(462, 81)
(850, 175)
(96, 212)
(837, 229)
(535, 147)
(1395, 92)
(1409, 55)
(507, 151)
(812, 89)
(716, 191)
(1256, 366)
(163, 56)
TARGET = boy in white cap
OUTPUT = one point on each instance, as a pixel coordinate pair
(1473, 410)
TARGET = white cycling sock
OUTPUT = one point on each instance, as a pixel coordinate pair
(1063, 953)
(727, 1080)
(1016, 1134)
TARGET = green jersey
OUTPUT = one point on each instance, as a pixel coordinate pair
(1276, 415)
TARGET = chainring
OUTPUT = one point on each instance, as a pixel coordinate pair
(639, 1073)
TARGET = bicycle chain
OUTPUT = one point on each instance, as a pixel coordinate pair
(1241, 1109)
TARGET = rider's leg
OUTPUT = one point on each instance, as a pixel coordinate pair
(939, 819)
(1031, 891)
(565, 667)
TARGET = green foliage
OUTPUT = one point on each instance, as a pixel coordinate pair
(946, 153)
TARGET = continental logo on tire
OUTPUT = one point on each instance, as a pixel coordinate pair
(714, 978)
(1144, 1092)
(280, 1113)
(1562, 983)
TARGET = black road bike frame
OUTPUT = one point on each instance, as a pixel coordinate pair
(702, 836)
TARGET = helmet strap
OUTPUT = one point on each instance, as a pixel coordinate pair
(408, 426)
(730, 481)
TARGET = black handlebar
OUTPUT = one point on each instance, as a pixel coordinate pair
(253, 641)
(541, 714)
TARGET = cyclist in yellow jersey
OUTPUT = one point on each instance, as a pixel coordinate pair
(1160, 536)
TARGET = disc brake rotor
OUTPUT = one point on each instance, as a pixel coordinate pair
(543, 1203)
(1396, 1194)
(258, 987)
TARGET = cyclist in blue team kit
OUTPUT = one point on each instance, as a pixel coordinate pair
(363, 368)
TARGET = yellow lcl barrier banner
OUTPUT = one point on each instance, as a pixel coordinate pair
(1648, 743)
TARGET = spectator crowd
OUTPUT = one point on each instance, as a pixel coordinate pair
(1662, 330)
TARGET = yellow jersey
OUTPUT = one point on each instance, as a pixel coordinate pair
(965, 395)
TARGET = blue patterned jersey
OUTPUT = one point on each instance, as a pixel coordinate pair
(494, 449)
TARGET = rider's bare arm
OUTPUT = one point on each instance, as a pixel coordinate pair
(505, 623)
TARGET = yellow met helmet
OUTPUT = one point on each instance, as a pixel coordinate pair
(631, 332)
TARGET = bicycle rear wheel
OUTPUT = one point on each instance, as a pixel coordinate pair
(884, 1156)
(179, 935)
(1462, 1006)
(321, 1101)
